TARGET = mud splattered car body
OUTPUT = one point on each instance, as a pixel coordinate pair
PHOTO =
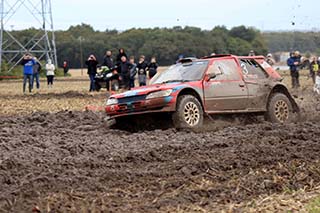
(211, 85)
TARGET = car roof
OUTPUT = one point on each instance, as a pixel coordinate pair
(190, 59)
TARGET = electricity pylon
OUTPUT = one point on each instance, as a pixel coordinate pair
(40, 39)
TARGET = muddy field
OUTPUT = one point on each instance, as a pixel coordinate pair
(58, 159)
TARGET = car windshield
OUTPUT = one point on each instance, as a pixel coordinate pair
(182, 72)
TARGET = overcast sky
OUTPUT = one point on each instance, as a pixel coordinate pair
(124, 14)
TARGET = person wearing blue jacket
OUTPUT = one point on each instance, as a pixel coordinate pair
(28, 62)
(294, 62)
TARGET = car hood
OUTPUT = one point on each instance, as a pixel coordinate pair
(149, 89)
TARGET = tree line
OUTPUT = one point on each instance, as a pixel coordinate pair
(166, 44)
(163, 43)
(306, 42)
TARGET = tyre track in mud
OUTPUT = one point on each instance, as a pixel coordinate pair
(70, 161)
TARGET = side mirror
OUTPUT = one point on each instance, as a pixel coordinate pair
(211, 76)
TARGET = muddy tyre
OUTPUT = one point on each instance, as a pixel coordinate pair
(279, 109)
(188, 114)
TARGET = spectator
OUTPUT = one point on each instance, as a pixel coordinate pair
(133, 72)
(50, 73)
(107, 60)
(252, 53)
(152, 67)
(314, 68)
(181, 56)
(316, 87)
(124, 71)
(28, 62)
(65, 68)
(36, 73)
(120, 54)
(92, 71)
(270, 59)
(294, 63)
(142, 71)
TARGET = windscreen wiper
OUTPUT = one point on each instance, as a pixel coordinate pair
(172, 81)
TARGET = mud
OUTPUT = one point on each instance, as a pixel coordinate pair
(71, 162)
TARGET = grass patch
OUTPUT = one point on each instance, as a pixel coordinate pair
(314, 205)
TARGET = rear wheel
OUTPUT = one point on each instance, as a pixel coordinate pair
(279, 109)
(188, 114)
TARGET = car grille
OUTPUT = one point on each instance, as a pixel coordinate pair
(131, 99)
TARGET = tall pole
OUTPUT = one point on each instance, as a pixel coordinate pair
(81, 55)
(53, 39)
(1, 33)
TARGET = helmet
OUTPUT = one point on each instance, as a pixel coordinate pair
(269, 55)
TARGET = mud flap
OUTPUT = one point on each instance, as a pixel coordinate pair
(296, 109)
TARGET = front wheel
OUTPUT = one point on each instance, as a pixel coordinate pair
(188, 114)
(279, 109)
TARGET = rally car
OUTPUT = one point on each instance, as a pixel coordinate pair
(220, 84)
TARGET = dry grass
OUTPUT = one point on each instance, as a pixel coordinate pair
(65, 95)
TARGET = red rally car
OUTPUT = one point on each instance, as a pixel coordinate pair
(217, 84)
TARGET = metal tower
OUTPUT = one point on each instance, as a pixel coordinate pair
(40, 39)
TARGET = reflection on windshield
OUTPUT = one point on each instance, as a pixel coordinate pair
(181, 73)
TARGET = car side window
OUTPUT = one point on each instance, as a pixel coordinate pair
(225, 69)
(252, 70)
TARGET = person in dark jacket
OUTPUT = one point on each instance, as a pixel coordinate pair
(92, 71)
(133, 72)
(36, 73)
(142, 71)
(120, 54)
(294, 63)
(28, 62)
(124, 72)
(153, 67)
(65, 68)
(107, 60)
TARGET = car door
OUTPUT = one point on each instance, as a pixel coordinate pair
(227, 90)
(257, 82)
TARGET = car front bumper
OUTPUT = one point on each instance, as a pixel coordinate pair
(163, 104)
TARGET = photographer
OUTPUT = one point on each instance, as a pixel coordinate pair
(294, 63)
(92, 70)
(28, 62)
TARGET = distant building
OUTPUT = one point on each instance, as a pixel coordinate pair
(281, 57)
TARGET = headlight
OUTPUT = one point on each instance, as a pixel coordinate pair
(159, 94)
(112, 101)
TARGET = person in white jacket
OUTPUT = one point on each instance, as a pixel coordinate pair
(50, 73)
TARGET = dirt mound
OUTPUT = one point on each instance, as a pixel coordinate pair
(70, 162)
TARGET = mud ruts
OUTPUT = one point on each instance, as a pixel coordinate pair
(69, 162)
